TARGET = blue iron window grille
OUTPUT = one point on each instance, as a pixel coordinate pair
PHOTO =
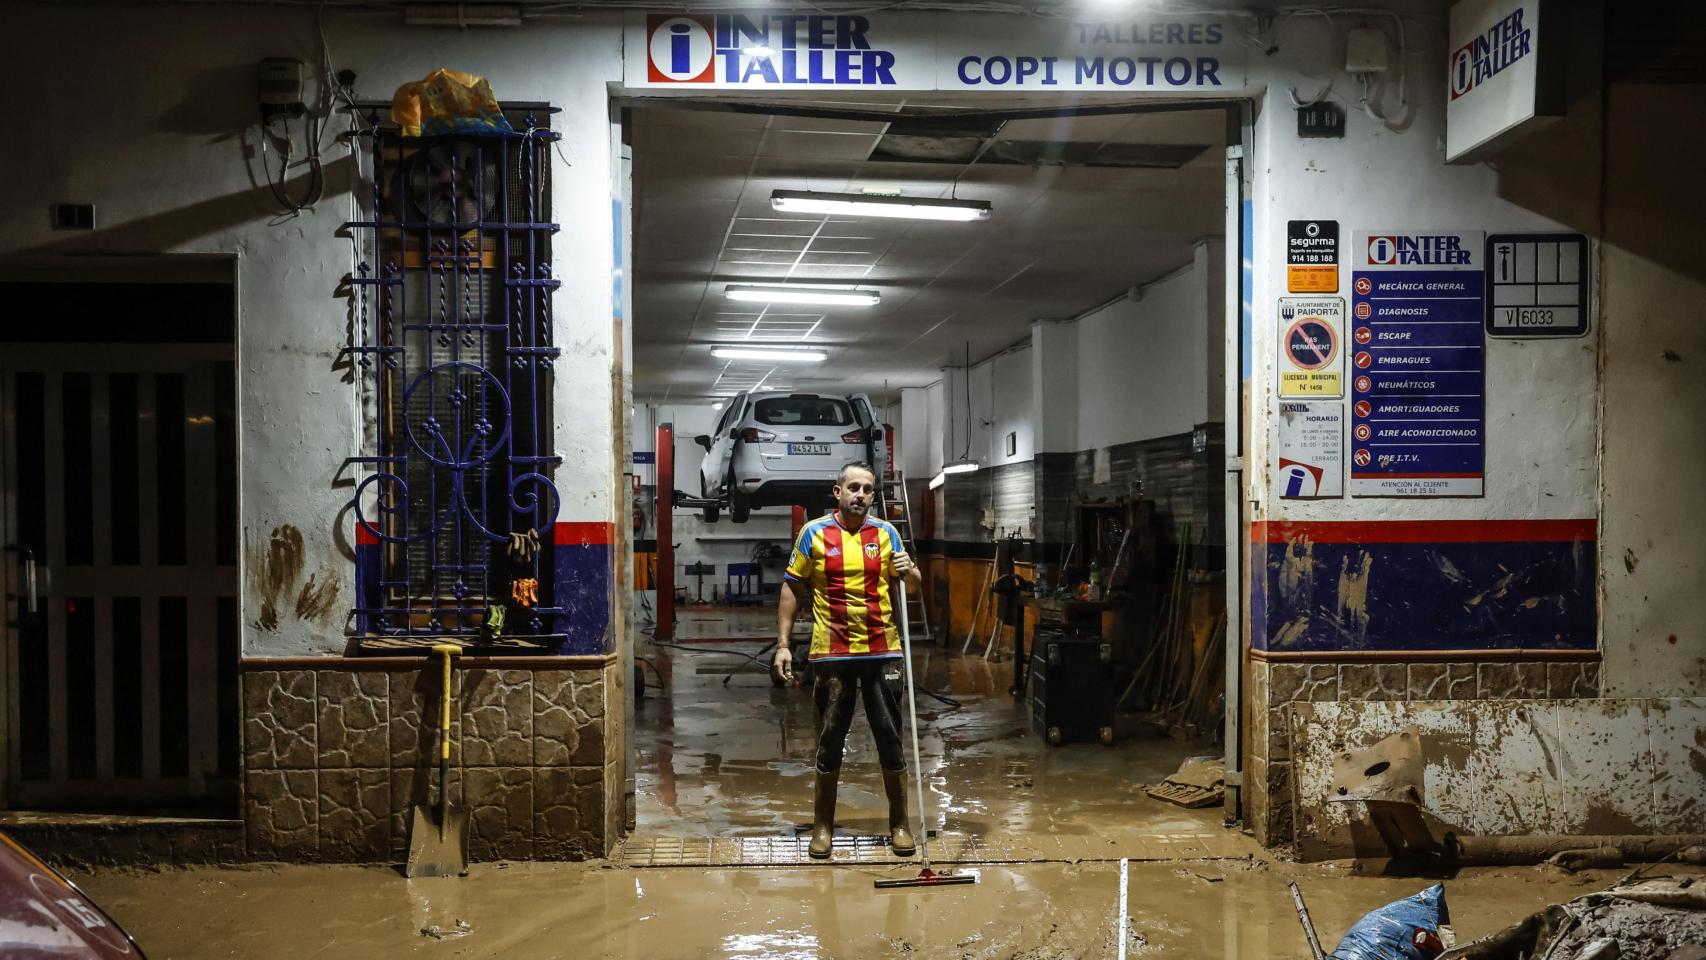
(453, 348)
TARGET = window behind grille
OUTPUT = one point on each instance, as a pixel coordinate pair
(458, 359)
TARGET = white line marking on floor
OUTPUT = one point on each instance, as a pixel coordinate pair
(1119, 932)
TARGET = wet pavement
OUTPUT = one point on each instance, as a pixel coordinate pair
(732, 764)
(1227, 909)
(735, 759)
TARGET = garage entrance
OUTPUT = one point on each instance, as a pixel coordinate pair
(1033, 363)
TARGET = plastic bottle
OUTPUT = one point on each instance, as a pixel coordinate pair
(1095, 581)
(1039, 582)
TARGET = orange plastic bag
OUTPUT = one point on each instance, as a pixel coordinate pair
(447, 101)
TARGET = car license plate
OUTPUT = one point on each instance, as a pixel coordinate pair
(809, 449)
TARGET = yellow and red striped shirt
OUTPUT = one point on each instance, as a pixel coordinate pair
(849, 573)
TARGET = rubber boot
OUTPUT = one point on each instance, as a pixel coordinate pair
(823, 815)
(894, 784)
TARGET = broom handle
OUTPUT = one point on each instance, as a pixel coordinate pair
(447, 650)
(912, 716)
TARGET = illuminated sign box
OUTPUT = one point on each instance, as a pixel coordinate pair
(1504, 74)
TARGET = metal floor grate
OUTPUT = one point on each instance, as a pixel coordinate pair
(655, 851)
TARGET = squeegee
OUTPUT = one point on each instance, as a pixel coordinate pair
(928, 877)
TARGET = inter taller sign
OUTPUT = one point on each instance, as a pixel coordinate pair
(1504, 73)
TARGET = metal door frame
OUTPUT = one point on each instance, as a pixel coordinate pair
(108, 358)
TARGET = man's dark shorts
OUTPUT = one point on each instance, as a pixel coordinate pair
(836, 685)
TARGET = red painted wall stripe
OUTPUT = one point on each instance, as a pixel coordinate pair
(584, 533)
(1425, 531)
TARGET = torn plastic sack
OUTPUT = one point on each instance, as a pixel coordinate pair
(1406, 929)
(447, 101)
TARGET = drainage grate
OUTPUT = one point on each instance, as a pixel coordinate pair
(791, 851)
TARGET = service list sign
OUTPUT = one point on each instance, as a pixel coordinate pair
(1418, 364)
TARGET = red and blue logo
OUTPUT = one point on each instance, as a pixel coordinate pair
(679, 49)
(784, 49)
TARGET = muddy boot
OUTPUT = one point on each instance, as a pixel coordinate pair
(894, 784)
(823, 815)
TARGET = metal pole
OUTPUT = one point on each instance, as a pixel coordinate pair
(1308, 925)
(1232, 430)
(665, 580)
(912, 717)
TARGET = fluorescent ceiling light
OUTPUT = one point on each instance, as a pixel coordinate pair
(796, 293)
(962, 465)
(779, 354)
(877, 205)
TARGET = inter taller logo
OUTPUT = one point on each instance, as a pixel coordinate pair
(1411, 250)
(785, 49)
(1489, 54)
(679, 49)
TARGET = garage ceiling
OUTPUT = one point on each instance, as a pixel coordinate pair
(1084, 207)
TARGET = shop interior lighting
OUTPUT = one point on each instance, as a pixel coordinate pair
(878, 205)
(774, 354)
(965, 463)
(799, 293)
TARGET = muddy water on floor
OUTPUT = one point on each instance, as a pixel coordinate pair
(1229, 909)
(736, 759)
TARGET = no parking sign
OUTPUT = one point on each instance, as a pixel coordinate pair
(1311, 347)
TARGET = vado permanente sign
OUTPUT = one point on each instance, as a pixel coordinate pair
(1504, 74)
(1182, 54)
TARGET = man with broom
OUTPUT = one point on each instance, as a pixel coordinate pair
(847, 560)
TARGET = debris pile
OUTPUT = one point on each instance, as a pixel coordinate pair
(1663, 918)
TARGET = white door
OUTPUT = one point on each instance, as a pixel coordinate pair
(716, 468)
(878, 448)
(118, 486)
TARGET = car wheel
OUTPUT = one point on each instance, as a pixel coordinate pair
(740, 508)
(710, 513)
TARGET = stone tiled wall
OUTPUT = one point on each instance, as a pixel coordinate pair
(1276, 685)
(335, 758)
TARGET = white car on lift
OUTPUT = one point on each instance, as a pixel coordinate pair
(784, 449)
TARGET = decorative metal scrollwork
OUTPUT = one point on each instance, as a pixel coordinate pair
(453, 345)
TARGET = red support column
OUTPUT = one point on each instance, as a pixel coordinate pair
(664, 522)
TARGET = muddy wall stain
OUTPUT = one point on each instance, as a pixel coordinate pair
(275, 584)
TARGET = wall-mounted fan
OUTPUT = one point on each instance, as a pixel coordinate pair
(452, 181)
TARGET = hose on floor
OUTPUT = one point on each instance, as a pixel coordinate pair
(647, 661)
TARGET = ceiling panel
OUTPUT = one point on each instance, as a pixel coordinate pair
(1063, 239)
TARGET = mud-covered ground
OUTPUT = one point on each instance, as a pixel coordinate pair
(734, 760)
(1202, 909)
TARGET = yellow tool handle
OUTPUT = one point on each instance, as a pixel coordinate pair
(448, 650)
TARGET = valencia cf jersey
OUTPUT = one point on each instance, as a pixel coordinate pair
(849, 573)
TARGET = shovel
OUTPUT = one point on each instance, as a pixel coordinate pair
(438, 847)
